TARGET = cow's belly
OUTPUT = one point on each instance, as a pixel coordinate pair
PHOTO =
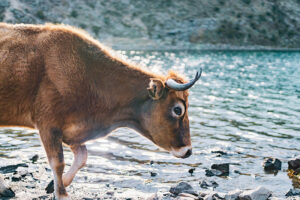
(80, 133)
(15, 116)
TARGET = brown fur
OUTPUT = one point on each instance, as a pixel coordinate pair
(58, 79)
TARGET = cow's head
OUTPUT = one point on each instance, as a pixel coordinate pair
(165, 116)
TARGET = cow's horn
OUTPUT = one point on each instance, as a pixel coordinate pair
(172, 84)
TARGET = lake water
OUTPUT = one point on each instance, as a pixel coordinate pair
(246, 104)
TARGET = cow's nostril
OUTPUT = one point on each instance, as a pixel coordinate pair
(188, 153)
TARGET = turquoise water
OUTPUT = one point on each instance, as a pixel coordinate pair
(246, 104)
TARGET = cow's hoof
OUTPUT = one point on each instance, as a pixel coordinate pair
(63, 198)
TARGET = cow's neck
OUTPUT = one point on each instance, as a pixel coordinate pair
(127, 94)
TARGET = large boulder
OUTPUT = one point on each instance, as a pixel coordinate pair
(182, 187)
(233, 195)
(259, 193)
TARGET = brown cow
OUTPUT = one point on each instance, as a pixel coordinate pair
(59, 80)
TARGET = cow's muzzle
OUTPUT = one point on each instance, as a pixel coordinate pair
(183, 152)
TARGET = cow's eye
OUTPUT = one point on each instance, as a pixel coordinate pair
(178, 110)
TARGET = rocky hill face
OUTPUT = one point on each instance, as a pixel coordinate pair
(162, 24)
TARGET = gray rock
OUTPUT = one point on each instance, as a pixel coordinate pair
(212, 172)
(224, 168)
(16, 178)
(34, 158)
(293, 192)
(191, 171)
(50, 187)
(11, 168)
(272, 164)
(218, 170)
(210, 195)
(152, 174)
(294, 164)
(220, 153)
(182, 187)
(186, 196)
(4, 3)
(233, 195)
(160, 196)
(259, 193)
(208, 183)
(5, 191)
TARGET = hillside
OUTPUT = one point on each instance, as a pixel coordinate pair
(191, 24)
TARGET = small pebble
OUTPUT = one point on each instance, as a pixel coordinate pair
(219, 152)
(191, 171)
(34, 158)
(16, 178)
(153, 174)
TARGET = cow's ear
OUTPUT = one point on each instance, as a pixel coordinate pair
(156, 88)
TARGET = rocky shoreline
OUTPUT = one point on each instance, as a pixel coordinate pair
(134, 24)
(18, 178)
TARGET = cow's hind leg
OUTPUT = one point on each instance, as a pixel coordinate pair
(52, 140)
(80, 157)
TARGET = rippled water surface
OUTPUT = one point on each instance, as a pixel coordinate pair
(246, 104)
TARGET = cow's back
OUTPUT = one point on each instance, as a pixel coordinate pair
(51, 66)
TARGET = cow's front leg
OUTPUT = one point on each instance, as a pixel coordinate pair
(52, 140)
(80, 157)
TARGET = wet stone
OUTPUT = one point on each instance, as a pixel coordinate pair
(233, 195)
(272, 164)
(41, 197)
(7, 193)
(110, 193)
(191, 171)
(11, 168)
(221, 153)
(208, 184)
(186, 196)
(260, 193)
(182, 187)
(294, 164)
(212, 172)
(152, 174)
(297, 171)
(50, 187)
(34, 158)
(293, 192)
(16, 178)
(224, 168)
(210, 195)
